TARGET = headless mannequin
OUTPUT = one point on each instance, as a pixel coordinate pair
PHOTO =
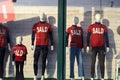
(42, 19)
(19, 58)
(5, 38)
(19, 42)
(98, 21)
(76, 21)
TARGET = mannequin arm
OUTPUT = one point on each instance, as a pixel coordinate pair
(87, 49)
(88, 41)
(8, 41)
(13, 59)
(106, 39)
(32, 47)
(82, 42)
(83, 48)
(67, 50)
(9, 47)
(67, 36)
(8, 37)
(52, 47)
(88, 38)
(51, 38)
(32, 39)
(25, 58)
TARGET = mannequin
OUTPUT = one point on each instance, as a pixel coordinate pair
(76, 45)
(97, 39)
(42, 19)
(19, 52)
(4, 42)
(43, 32)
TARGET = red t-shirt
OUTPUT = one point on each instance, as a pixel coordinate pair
(3, 35)
(97, 37)
(75, 36)
(19, 51)
(42, 31)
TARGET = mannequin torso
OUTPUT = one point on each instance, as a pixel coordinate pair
(42, 30)
(97, 29)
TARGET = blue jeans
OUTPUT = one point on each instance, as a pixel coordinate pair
(76, 52)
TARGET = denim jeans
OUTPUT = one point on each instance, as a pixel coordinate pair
(76, 52)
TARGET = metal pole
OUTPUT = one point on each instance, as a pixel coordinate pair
(61, 57)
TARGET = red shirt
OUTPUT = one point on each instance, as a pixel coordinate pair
(97, 37)
(19, 51)
(76, 34)
(3, 35)
(42, 31)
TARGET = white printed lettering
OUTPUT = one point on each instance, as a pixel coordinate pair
(76, 32)
(42, 29)
(98, 30)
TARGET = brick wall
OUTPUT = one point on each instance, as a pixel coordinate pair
(26, 16)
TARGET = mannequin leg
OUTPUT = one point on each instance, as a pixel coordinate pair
(101, 57)
(2, 55)
(80, 64)
(72, 60)
(44, 57)
(11, 67)
(36, 58)
(21, 70)
(93, 56)
(17, 70)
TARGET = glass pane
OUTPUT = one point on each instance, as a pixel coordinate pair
(27, 13)
(85, 11)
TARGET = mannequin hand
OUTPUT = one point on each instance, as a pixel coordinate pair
(87, 49)
(25, 62)
(9, 48)
(115, 56)
(52, 47)
(13, 63)
(67, 50)
(32, 47)
(83, 50)
(108, 49)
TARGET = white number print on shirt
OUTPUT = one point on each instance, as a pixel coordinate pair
(18, 52)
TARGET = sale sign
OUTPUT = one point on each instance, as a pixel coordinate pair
(6, 11)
